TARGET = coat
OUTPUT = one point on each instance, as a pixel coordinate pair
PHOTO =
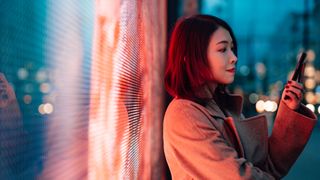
(202, 142)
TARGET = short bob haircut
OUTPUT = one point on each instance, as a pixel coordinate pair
(187, 67)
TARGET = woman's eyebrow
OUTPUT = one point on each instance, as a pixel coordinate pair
(224, 42)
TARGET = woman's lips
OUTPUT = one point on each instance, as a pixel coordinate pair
(233, 70)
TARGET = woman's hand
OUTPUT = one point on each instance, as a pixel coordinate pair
(293, 94)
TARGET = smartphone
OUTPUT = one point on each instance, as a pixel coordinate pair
(298, 72)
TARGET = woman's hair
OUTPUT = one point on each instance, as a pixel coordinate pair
(187, 67)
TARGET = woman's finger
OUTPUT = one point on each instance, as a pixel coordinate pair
(291, 100)
(295, 84)
(297, 92)
(291, 96)
(297, 97)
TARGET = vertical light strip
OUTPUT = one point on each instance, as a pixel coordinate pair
(103, 150)
(126, 103)
(66, 151)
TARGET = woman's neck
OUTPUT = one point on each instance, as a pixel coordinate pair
(212, 87)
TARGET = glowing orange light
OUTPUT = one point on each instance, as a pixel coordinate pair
(260, 106)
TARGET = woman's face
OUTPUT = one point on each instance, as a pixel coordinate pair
(222, 60)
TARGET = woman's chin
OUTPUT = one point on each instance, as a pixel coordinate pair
(229, 81)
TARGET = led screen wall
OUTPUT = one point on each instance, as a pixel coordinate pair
(81, 89)
(126, 91)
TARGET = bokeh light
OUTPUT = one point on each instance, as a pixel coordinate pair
(260, 106)
(48, 108)
(310, 97)
(244, 70)
(41, 109)
(41, 76)
(27, 99)
(45, 87)
(311, 107)
(22, 73)
(311, 55)
(253, 98)
(261, 69)
(309, 71)
(310, 83)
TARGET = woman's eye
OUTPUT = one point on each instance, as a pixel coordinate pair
(222, 50)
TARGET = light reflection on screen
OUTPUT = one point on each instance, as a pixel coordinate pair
(84, 83)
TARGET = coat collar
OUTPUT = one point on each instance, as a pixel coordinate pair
(244, 129)
(233, 102)
(233, 108)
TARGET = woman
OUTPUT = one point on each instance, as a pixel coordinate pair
(205, 133)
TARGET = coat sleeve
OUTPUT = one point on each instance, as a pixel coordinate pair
(291, 131)
(195, 149)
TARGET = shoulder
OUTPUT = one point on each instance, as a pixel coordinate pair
(187, 115)
(185, 107)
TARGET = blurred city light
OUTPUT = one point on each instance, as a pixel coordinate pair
(310, 97)
(268, 106)
(244, 70)
(260, 106)
(310, 83)
(253, 98)
(261, 69)
(45, 108)
(45, 87)
(309, 71)
(27, 99)
(311, 55)
(22, 73)
(41, 109)
(275, 106)
(41, 76)
(311, 107)
(48, 108)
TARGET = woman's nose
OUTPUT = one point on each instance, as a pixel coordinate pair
(233, 58)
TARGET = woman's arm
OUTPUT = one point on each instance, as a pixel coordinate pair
(290, 134)
(292, 129)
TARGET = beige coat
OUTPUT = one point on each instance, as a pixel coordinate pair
(198, 141)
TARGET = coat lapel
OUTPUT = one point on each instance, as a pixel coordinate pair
(235, 111)
(232, 125)
(251, 133)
